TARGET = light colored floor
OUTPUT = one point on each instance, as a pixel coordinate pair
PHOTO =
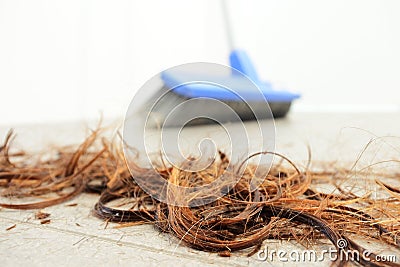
(74, 237)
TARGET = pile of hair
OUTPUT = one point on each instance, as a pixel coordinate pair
(285, 206)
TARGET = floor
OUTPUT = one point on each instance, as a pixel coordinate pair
(74, 237)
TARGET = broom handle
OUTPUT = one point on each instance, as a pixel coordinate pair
(227, 24)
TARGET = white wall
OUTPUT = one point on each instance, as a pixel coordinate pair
(64, 60)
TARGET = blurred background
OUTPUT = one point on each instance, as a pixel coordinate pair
(73, 60)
